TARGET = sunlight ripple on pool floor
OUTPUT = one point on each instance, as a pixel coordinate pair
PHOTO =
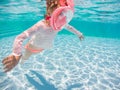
(93, 64)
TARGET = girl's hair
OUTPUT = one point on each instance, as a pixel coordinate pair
(52, 5)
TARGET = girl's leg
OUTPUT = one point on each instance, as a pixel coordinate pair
(29, 51)
(26, 55)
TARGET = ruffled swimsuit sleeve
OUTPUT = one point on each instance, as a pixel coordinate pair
(73, 30)
(17, 46)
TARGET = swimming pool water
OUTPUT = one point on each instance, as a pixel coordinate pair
(92, 64)
(100, 18)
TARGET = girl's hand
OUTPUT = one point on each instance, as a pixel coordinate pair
(81, 37)
(10, 62)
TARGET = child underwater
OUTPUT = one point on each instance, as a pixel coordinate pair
(58, 14)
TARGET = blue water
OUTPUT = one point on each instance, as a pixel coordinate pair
(93, 18)
(91, 64)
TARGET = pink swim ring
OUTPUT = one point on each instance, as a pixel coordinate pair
(57, 21)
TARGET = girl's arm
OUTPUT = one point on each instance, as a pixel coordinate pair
(73, 30)
(17, 46)
(11, 61)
